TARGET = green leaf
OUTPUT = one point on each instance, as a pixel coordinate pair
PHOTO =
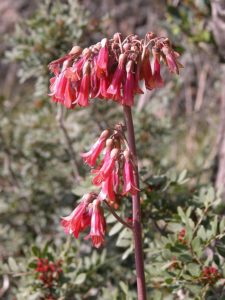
(115, 229)
(110, 219)
(222, 225)
(193, 269)
(36, 251)
(214, 225)
(124, 287)
(127, 252)
(202, 233)
(12, 264)
(181, 179)
(221, 249)
(123, 243)
(80, 278)
(32, 265)
(209, 197)
(181, 214)
(196, 245)
(168, 280)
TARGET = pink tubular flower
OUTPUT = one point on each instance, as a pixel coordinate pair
(107, 190)
(138, 90)
(128, 176)
(102, 60)
(129, 87)
(77, 220)
(95, 81)
(146, 71)
(107, 168)
(171, 59)
(157, 76)
(69, 95)
(115, 86)
(98, 225)
(82, 98)
(91, 156)
(54, 66)
(103, 87)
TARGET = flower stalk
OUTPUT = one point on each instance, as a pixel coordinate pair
(136, 208)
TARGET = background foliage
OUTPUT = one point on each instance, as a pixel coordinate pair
(42, 175)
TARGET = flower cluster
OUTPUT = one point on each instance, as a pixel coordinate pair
(210, 275)
(181, 236)
(111, 69)
(49, 272)
(113, 170)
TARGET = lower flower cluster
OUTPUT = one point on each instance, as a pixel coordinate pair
(49, 272)
(113, 167)
(210, 275)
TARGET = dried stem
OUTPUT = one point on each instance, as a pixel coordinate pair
(60, 119)
(139, 261)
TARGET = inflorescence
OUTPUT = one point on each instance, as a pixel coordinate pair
(111, 69)
(113, 169)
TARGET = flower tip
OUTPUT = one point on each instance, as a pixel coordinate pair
(114, 153)
(76, 50)
(126, 154)
(104, 42)
(104, 134)
(109, 143)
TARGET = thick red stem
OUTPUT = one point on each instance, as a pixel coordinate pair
(139, 261)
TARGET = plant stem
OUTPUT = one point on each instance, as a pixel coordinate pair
(117, 217)
(139, 262)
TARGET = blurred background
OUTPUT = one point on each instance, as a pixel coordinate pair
(180, 133)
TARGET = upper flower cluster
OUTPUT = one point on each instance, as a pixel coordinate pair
(111, 69)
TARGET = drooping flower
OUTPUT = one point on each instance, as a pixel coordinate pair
(107, 168)
(77, 220)
(103, 88)
(171, 59)
(129, 86)
(69, 95)
(83, 94)
(138, 90)
(102, 60)
(146, 71)
(115, 86)
(157, 76)
(91, 156)
(58, 85)
(55, 65)
(129, 185)
(98, 225)
(107, 190)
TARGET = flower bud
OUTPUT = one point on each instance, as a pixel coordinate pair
(114, 153)
(76, 50)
